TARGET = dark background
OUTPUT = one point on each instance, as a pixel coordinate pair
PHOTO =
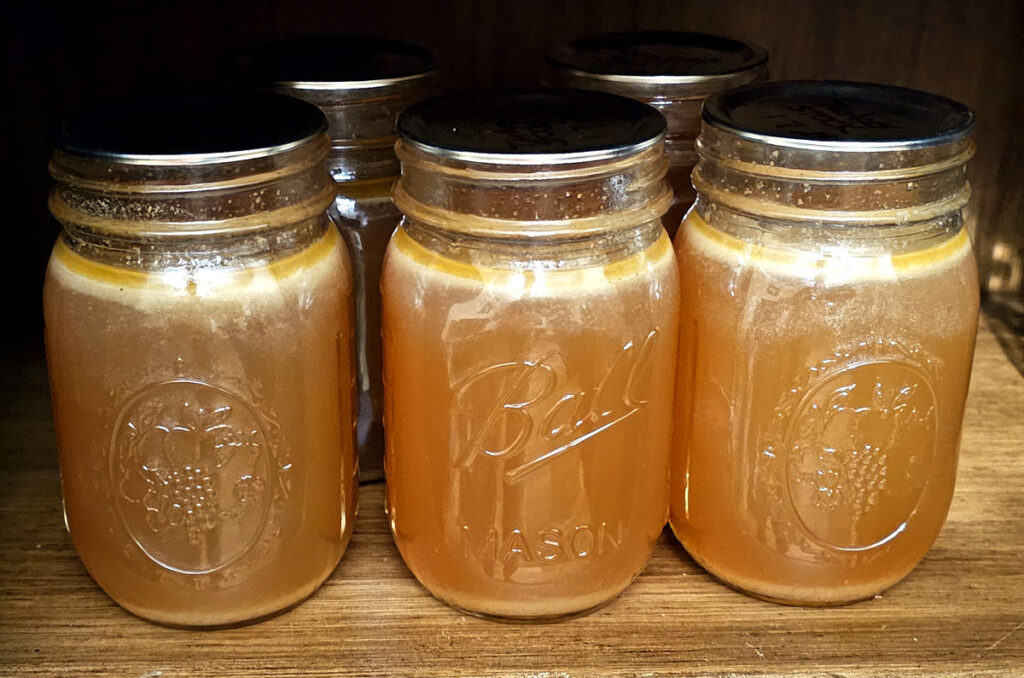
(57, 58)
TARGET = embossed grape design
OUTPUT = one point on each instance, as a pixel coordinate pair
(192, 493)
(860, 443)
(181, 467)
(192, 458)
(855, 475)
(865, 471)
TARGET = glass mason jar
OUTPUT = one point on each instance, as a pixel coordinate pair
(361, 84)
(829, 312)
(530, 320)
(671, 71)
(198, 337)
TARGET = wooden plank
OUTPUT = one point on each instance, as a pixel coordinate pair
(960, 613)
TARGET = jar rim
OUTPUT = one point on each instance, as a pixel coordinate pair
(838, 116)
(201, 128)
(335, 62)
(353, 85)
(657, 57)
(196, 159)
(528, 159)
(531, 127)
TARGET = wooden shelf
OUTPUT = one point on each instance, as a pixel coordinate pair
(961, 612)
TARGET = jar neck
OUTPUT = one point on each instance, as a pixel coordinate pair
(825, 188)
(358, 161)
(678, 99)
(530, 201)
(224, 250)
(368, 189)
(361, 118)
(479, 249)
(828, 238)
(681, 150)
(182, 200)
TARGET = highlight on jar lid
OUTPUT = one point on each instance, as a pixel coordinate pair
(336, 63)
(663, 58)
(531, 127)
(838, 116)
(191, 128)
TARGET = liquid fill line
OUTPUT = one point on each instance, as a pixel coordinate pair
(519, 472)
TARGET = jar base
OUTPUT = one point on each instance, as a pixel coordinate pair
(217, 626)
(540, 617)
(587, 606)
(866, 593)
(787, 601)
(155, 617)
(529, 619)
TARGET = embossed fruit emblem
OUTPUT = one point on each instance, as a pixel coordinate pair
(860, 445)
(191, 468)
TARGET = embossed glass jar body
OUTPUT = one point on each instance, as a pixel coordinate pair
(361, 84)
(827, 329)
(671, 71)
(530, 310)
(198, 334)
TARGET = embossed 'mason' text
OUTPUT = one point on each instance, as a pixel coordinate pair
(527, 404)
(543, 546)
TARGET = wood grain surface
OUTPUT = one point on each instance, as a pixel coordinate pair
(961, 612)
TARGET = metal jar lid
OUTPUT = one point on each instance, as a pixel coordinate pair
(190, 129)
(834, 152)
(342, 68)
(659, 64)
(838, 116)
(360, 83)
(190, 164)
(543, 127)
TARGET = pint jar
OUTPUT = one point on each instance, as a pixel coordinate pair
(671, 71)
(530, 315)
(198, 337)
(828, 319)
(361, 84)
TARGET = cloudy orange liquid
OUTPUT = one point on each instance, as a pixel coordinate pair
(819, 405)
(205, 432)
(528, 425)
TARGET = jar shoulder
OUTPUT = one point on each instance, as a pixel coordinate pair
(407, 262)
(812, 257)
(200, 277)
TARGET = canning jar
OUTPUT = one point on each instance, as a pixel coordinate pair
(361, 84)
(198, 337)
(530, 313)
(829, 312)
(671, 71)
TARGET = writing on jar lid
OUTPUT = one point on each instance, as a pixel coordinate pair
(826, 118)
